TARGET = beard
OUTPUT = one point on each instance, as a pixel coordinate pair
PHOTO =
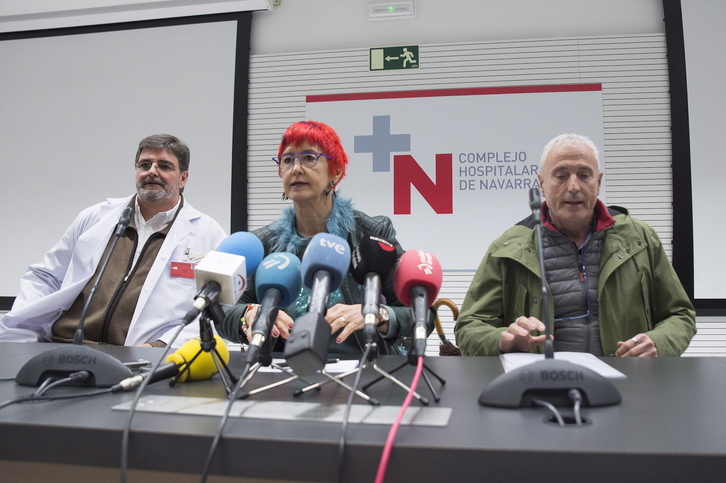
(153, 194)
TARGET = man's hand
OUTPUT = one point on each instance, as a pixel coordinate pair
(518, 337)
(639, 346)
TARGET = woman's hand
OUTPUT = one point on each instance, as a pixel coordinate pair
(347, 317)
(283, 324)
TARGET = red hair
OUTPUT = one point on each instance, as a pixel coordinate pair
(317, 133)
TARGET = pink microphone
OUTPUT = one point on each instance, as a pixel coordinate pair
(417, 281)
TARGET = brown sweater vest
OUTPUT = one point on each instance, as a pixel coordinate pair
(109, 316)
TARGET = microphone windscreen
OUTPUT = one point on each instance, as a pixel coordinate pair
(328, 253)
(417, 268)
(535, 200)
(126, 216)
(203, 366)
(372, 254)
(245, 244)
(280, 271)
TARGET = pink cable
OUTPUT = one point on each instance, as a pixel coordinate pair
(394, 429)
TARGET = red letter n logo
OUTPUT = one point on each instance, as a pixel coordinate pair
(407, 173)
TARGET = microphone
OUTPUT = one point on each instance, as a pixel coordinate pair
(417, 280)
(278, 284)
(188, 363)
(550, 380)
(371, 261)
(325, 263)
(121, 226)
(535, 204)
(104, 369)
(222, 274)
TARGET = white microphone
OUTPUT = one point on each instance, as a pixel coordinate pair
(222, 274)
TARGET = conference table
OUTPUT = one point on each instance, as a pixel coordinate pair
(670, 426)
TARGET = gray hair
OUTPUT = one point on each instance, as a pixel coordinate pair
(570, 139)
(166, 141)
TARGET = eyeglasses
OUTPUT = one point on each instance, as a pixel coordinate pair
(161, 166)
(307, 160)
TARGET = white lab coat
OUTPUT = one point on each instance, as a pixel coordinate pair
(49, 288)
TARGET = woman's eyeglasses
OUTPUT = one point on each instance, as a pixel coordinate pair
(307, 160)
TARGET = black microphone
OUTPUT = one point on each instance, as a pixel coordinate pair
(325, 263)
(550, 380)
(121, 226)
(371, 261)
(277, 284)
(535, 204)
(105, 370)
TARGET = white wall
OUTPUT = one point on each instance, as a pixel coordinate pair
(293, 26)
(310, 25)
(74, 109)
(24, 15)
(706, 61)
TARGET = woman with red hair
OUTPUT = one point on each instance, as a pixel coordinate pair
(311, 162)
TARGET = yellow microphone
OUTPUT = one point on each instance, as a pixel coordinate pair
(181, 366)
(190, 369)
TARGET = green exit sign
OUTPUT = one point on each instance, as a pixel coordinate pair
(391, 58)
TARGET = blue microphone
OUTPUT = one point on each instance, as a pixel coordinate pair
(278, 284)
(325, 263)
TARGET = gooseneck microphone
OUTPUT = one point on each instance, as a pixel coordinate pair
(535, 204)
(121, 226)
(324, 265)
(371, 262)
(417, 281)
(105, 370)
(277, 284)
(222, 274)
(549, 381)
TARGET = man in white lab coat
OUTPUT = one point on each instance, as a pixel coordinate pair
(148, 285)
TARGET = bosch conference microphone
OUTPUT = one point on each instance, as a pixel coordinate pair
(104, 370)
(550, 380)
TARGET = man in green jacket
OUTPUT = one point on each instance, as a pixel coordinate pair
(612, 288)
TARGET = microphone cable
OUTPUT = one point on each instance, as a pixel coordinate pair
(223, 422)
(576, 398)
(135, 402)
(552, 408)
(79, 376)
(46, 382)
(35, 397)
(385, 456)
(346, 414)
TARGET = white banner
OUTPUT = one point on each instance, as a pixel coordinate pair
(453, 168)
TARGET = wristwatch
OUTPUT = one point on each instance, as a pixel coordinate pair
(383, 315)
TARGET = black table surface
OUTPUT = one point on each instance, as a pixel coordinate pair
(670, 426)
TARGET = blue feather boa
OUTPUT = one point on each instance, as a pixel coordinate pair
(341, 222)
